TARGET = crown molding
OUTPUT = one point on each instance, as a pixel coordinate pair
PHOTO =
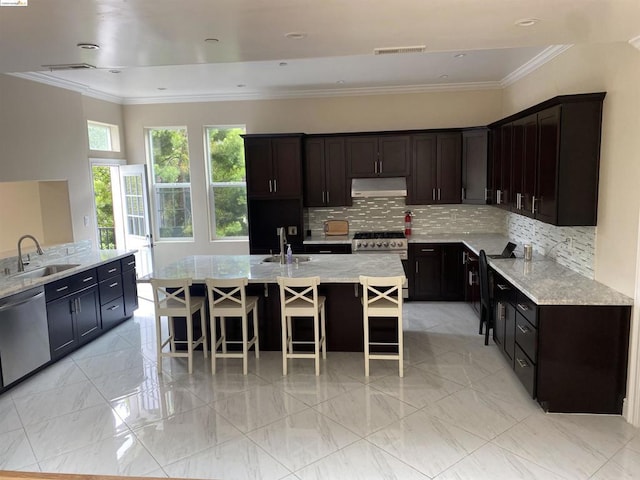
(343, 92)
(41, 77)
(635, 41)
(536, 62)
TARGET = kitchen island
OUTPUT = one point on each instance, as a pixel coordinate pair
(339, 283)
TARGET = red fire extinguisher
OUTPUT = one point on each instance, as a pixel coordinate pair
(407, 222)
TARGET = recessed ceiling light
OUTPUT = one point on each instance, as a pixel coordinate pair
(162, 88)
(340, 82)
(88, 46)
(444, 76)
(241, 85)
(460, 55)
(526, 22)
(295, 35)
(115, 71)
(283, 64)
(211, 40)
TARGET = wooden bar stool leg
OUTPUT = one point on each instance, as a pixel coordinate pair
(190, 344)
(245, 343)
(316, 346)
(284, 345)
(159, 342)
(172, 335)
(214, 341)
(204, 336)
(223, 334)
(255, 332)
(400, 348)
(289, 336)
(323, 326)
(366, 346)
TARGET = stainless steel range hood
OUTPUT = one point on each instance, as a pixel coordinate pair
(379, 187)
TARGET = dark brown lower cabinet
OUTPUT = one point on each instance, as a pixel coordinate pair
(435, 271)
(570, 358)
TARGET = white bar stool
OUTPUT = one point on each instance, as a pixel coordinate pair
(299, 298)
(382, 297)
(227, 298)
(173, 299)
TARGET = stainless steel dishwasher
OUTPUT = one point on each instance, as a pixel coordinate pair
(24, 335)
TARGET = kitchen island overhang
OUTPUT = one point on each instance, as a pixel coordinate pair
(339, 283)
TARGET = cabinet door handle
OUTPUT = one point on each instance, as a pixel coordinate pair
(465, 257)
(270, 187)
(439, 194)
(275, 186)
(522, 363)
(72, 305)
(327, 196)
(524, 328)
(498, 197)
(375, 166)
(131, 263)
(502, 311)
(115, 307)
(523, 307)
(533, 204)
(111, 270)
(427, 250)
(114, 284)
(486, 194)
(470, 278)
(380, 169)
(433, 194)
(62, 289)
(325, 251)
(323, 197)
(78, 305)
(417, 269)
(502, 287)
(88, 279)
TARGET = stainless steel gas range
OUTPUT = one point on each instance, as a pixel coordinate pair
(380, 242)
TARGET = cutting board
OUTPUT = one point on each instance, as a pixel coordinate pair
(336, 227)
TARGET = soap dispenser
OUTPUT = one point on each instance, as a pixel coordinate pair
(289, 254)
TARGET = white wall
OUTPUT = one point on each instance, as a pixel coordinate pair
(307, 115)
(614, 68)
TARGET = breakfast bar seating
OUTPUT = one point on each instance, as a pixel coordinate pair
(172, 298)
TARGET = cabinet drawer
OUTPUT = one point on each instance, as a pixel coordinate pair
(526, 371)
(528, 309)
(112, 313)
(328, 248)
(503, 290)
(109, 270)
(128, 263)
(65, 286)
(110, 289)
(527, 337)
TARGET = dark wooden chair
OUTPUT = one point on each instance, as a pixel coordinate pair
(486, 302)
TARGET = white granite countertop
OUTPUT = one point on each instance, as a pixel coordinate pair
(10, 284)
(330, 268)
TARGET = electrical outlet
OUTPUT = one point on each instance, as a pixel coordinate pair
(292, 230)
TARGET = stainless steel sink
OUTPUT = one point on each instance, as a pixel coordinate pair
(296, 259)
(46, 270)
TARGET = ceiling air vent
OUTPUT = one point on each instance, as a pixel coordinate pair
(69, 66)
(393, 50)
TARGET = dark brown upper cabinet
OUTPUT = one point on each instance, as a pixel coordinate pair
(273, 166)
(474, 166)
(325, 172)
(552, 154)
(436, 171)
(378, 156)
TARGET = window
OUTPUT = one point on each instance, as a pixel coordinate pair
(103, 136)
(168, 154)
(228, 185)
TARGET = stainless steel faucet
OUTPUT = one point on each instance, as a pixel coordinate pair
(38, 250)
(283, 243)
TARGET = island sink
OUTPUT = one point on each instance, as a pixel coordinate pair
(295, 259)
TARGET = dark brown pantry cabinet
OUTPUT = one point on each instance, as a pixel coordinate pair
(273, 165)
(325, 172)
(436, 170)
(378, 155)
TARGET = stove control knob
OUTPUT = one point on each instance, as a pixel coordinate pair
(385, 244)
(393, 244)
(379, 244)
(365, 244)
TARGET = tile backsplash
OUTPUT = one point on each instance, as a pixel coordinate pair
(388, 214)
(549, 240)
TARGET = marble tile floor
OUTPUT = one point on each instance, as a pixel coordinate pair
(458, 413)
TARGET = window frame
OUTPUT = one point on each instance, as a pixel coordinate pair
(114, 136)
(211, 185)
(155, 186)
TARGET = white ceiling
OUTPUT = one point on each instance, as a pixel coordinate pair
(160, 44)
